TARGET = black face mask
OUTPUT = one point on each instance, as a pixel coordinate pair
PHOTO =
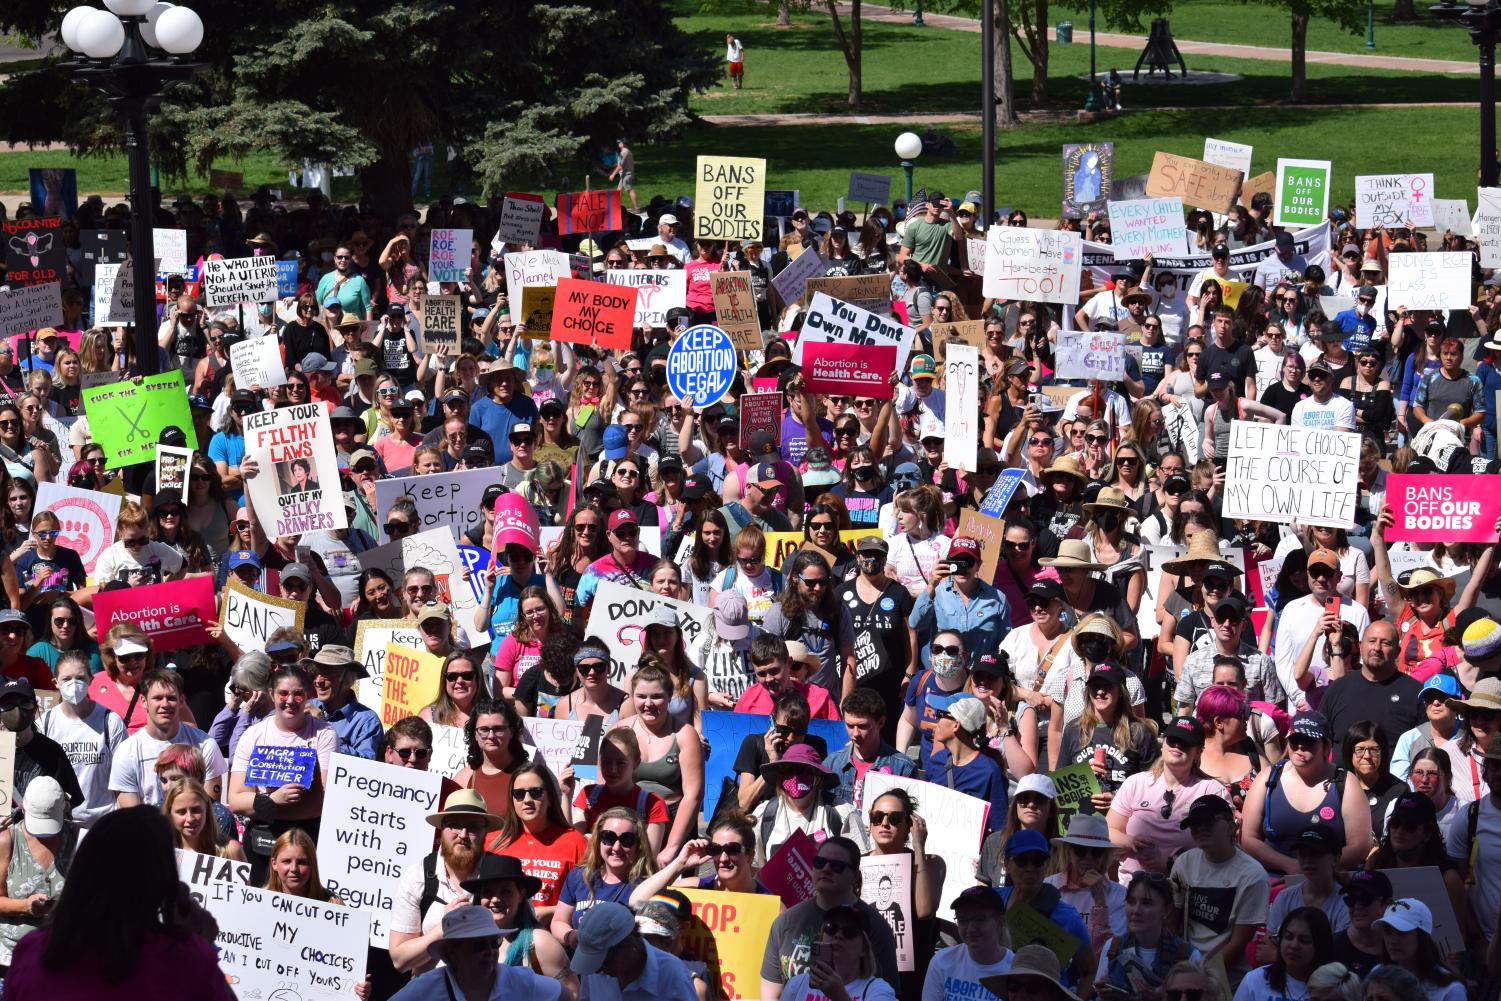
(872, 565)
(1094, 649)
(863, 473)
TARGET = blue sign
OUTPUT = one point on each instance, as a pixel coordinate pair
(476, 561)
(725, 731)
(286, 278)
(701, 364)
(1001, 492)
(272, 767)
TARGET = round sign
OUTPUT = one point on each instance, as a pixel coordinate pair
(701, 364)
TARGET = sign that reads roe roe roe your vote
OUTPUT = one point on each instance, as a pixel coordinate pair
(701, 364)
(729, 198)
(1279, 473)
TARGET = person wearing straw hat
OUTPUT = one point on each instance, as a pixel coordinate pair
(469, 950)
(1097, 639)
(1110, 532)
(1084, 854)
(1059, 505)
(1035, 975)
(1085, 593)
(1230, 635)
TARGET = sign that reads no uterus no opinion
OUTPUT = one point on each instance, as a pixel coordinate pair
(701, 364)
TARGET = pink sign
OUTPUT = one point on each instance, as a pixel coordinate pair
(515, 521)
(172, 614)
(1442, 508)
(789, 871)
(849, 369)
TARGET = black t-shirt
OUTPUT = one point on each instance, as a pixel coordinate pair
(881, 650)
(752, 757)
(44, 756)
(1239, 359)
(1123, 762)
(395, 359)
(69, 400)
(1281, 398)
(62, 571)
(535, 683)
(299, 341)
(1381, 796)
(1357, 962)
(1393, 703)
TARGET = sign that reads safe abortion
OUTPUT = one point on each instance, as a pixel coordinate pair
(701, 364)
(1441, 508)
(1037, 265)
(1280, 473)
(831, 321)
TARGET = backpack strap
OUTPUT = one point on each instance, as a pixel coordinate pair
(1273, 777)
(768, 821)
(429, 886)
(1472, 823)
(642, 799)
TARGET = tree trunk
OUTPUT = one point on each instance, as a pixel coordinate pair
(387, 183)
(849, 45)
(1040, 56)
(1403, 10)
(1005, 98)
(1299, 54)
(784, 14)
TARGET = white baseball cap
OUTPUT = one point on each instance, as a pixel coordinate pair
(44, 806)
(1407, 914)
(1039, 783)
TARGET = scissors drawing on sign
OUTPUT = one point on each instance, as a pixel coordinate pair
(136, 432)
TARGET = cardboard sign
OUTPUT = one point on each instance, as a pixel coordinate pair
(1429, 281)
(971, 332)
(127, 419)
(296, 490)
(656, 293)
(1442, 508)
(1451, 215)
(170, 247)
(989, 532)
(760, 412)
(595, 313)
(789, 871)
(442, 322)
(1394, 200)
(1147, 226)
(1001, 491)
(272, 767)
(790, 284)
(374, 826)
(1223, 153)
(100, 246)
(956, 827)
(30, 307)
(257, 363)
(248, 616)
(172, 613)
(961, 419)
(617, 616)
(729, 197)
(1200, 184)
(872, 189)
(450, 501)
(869, 292)
(227, 180)
(1302, 192)
(433, 550)
(534, 267)
(1076, 784)
(1487, 225)
(87, 519)
(728, 933)
(1280, 473)
(1036, 265)
(1088, 170)
(371, 637)
(1426, 883)
(173, 469)
(849, 369)
(449, 252)
(735, 309)
(1095, 355)
(227, 281)
(34, 252)
(701, 364)
(886, 885)
(411, 683)
(831, 321)
(521, 217)
(588, 211)
(268, 940)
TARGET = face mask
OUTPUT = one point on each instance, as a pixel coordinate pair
(945, 665)
(1361, 308)
(797, 786)
(1170, 292)
(544, 373)
(1109, 521)
(73, 691)
(16, 719)
(265, 310)
(864, 472)
(901, 212)
(1094, 648)
(872, 565)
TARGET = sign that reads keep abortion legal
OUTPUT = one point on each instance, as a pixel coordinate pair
(729, 198)
(1280, 473)
(701, 364)
(240, 279)
(1037, 265)
(1147, 226)
(1442, 508)
(593, 313)
(1394, 200)
(832, 321)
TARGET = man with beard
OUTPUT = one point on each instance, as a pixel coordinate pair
(357, 726)
(426, 892)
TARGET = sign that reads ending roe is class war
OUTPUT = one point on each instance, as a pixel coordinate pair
(1280, 473)
(1442, 508)
(296, 487)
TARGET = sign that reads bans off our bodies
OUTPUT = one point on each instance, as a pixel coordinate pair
(729, 198)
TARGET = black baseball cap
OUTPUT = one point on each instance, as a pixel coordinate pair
(1205, 809)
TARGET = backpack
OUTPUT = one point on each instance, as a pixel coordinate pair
(1274, 777)
(429, 886)
(777, 580)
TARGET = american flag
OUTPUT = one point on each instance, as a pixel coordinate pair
(919, 204)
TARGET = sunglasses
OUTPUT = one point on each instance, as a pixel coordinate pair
(393, 527)
(1031, 860)
(848, 932)
(406, 753)
(881, 818)
(46, 533)
(951, 650)
(1185, 994)
(731, 849)
(834, 865)
(627, 532)
(1096, 439)
(539, 794)
(135, 543)
(461, 676)
(626, 840)
(814, 581)
(820, 526)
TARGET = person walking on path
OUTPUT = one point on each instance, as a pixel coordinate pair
(735, 55)
(625, 169)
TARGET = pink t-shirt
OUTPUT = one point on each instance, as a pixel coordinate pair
(168, 969)
(700, 293)
(1140, 800)
(315, 733)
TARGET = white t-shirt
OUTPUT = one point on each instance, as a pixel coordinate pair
(954, 976)
(155, 563)
(1255, 988)
(133, 768)
(1336, 415)
(734, 52)
(90, 745)
(1485, 893)
(757, 590)
(1217, 897)
(864, 989)
(1301, 617)
(914, 560)
(1147, 957)
(1026, 659)
(1291, 899)
(1449, 992)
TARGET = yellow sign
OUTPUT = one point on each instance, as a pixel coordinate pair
(412, 679)
(780, 547)
(729, 933)
(536, 310)
(729, 199)
(1233, 292)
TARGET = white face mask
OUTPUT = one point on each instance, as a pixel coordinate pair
(1362, 308)
(73, 691)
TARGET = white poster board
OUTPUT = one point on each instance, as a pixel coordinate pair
(521, 217)
(1488, 226)
(170, 248)
(229, 280)
(30, 307)
(1280, 473)
(448, 254)
(961, 387)
(296, 488)
(1429, 281)
(956, 828)
(443, 500)
(1394, 200)
(835, 321)
(1145, 226)
(656, 292)
(370, 641)
(1452, 214)
(1037, 265)
(533, 268)
(87, 517)
(1223, 153)
(257, 363)
(616, 617)
(1092, 354)
(114, 295)
(886, 885)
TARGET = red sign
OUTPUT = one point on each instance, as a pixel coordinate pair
(588, 211)
(849, 369)
(1442, 508)
(172, 614)
(761, 412)
(594, 313)
(789, 871)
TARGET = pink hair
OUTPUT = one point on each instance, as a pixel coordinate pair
(1221, 702)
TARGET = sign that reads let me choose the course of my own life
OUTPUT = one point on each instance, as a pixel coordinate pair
(1280, 473)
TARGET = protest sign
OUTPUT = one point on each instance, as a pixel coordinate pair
(869, 292)
(728, 934)
(1200, 184)
(1312, 244)
(872, 189)
(1096, 355)
(100, 246)
(1088, 169)
(831, 321)
(1451, 215)
(114, 295)
(1394, 200)
(554, 740)
(274, 766)
(1001, 491)
(127, 418)
(781, 547)
(448, 254)
(296, 489)
(1223, 153)
(1126, 188)
(1038, 265)
(30, 307)
(595, 313)
(724, 732)
(450, 501)
(886, 885)
(790, 284)
(535, 311)
(441, 323)
(276, 945)
(286, 278)
(971, 332)
(1441, 508)
(534, 267)
(656, 293)
(191, 279)
(87, 518)
(789, 871)
(735, 309)
(34, 251)
(956, 827)
(229, 180)
(588, 211)
(450, 750)
(760, 412)
(701, 364)
(617, 617)
(988, 531)
(1075, 785)
(1301, 194)
(7, 767)
(374, 826)
(1426, 883)
(849, 369)
(433, 550)
(410, 683)
(1028, 927)
(781, 201)
(1429, 281)
(1487, 225)
(521, 217)
(961, 418)
(227, 281)
(729, 197)
(1147, 226)
(1280, 473)
(248, 616)
(257, 363)
(170, 247)
(172, 613)
(974, 254)
(371, 637)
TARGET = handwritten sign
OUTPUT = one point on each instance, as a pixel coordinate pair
(872, 189)
(1429, 281)
(791, 283)
(170, 247)
(1038, 265)
(296, 488)
(869, 292)
(249, 617)
(534, 267)
(618, 612)
(521, 217)
(228, 280)
(961, 418)
(1223, 153)
(594, 313)
(127, 418)
(1487, 225)
(971, 332)
(1394, 200)
(30, 307)
(172, 613)
(435, 550)
(1451, 215)
(588, 211)
(448, 254)
(728, 198)
(274, 766)
(656, 293)
(1147, 226)
(701, 364)
(735, 309)
(831, 321)
(257, 363)
(1442, 508)
(173, 468)
(442, 322)
(988, 531)
(1096, 355)
(1281, 473)
(1200, 184)
(1302, 192)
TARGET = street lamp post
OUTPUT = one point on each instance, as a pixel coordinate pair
(1370, 24)
(988, 106)
(1483, 19)
(112, 51)
(1092, 101)
(909, 148)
